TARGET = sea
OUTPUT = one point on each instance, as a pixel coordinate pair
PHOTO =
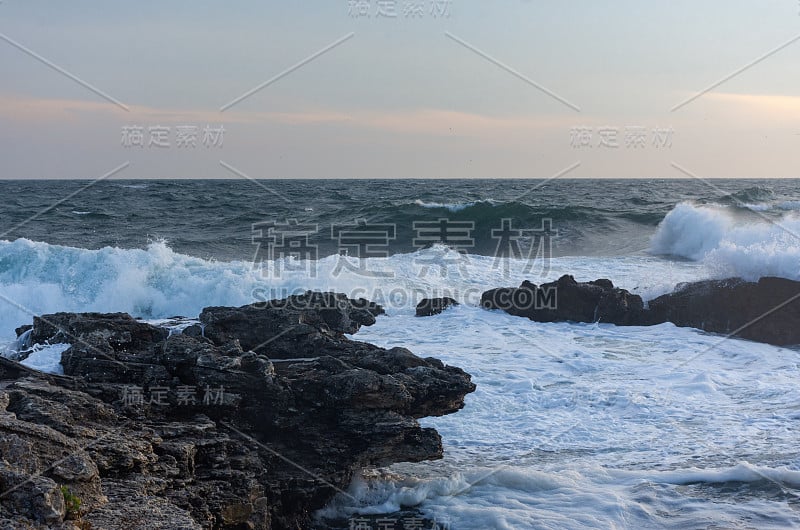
(571, 425)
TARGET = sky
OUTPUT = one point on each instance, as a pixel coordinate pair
(399, 89)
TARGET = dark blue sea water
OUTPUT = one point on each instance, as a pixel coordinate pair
(215, 218)
(572, 425)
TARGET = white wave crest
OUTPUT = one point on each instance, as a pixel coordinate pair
(453, 207)
(158, 283)
(730, 245)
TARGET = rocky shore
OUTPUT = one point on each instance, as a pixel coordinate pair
(764, 311)
(253, 419)
(257, 416)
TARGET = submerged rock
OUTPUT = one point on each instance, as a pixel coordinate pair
(250, 426)
(433, 306)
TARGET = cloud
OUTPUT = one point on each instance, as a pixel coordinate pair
(759, 107)
(438, 122)
(52, 111)
(426, 122)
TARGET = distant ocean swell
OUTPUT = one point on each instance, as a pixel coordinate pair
(490, 212)
(574, 225)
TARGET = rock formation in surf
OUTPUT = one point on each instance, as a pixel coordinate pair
(433, 306)
(254, 421)
(567, 300)
(765, 311)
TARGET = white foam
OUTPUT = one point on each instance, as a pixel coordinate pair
(46, 358)
(691, 231)
(728, 245)
(743, 472)
(585, 425)
(767, 206)
(571, 426)
(157, 283)
(758, 207)
(453, 207)
(513, 497)
(174, 325)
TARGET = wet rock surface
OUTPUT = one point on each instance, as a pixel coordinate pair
(765, 311)
(255, 422)
(567, 300)
(433, 306)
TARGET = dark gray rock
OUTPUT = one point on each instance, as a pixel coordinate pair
(433, 306)
(292, 327)
(22, 329)
(567, 300)
(118, 330)
(193, 432)
(498, 298)
(764, 311)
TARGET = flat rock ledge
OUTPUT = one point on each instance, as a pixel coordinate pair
(252, 420)
(764, 311)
